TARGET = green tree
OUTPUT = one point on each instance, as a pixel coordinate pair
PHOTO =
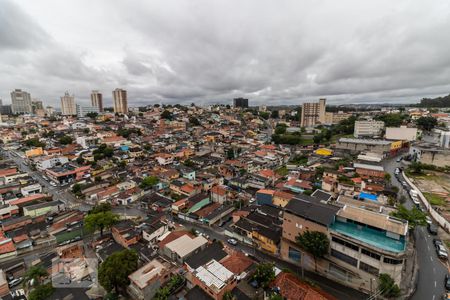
(92, 115)
(76, 189)
(416, 167)
(391, 120)
(100, 221)
(166, 115)
(228, 296)
(415, 216)
(194, 121)
(35, 274)
(264, 274)
(264, 114)
(387, 177)
(275, 114)
(149, 182)
(113, 272)
(317, 138)
(103, 207)
(314, 242)
(41, 292)
(280, 129)
(426, 123)
(65, 140)
(34, 142)
(387, 286)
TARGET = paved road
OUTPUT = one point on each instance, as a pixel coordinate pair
(338, 290)
(432, 270)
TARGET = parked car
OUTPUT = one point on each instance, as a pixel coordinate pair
(437, 242)
(404, 184)
(397, 171)
(399, 159)
(232, 242)
(441, 252)
(15, 282)
(428, 220)
(447, 282)
(432, 229)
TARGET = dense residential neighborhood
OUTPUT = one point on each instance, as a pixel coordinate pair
(224, 201)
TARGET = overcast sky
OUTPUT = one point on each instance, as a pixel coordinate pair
(273, 52)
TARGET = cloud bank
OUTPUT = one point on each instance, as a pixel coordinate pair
(273, 52)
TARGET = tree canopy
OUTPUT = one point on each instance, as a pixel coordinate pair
(100, 220)
(149, 182)
(113, 272)
(41, 292)
(65, 140)
(264, 274)
(415, 216)
(387, 286)
(314, 242)
(426, 123)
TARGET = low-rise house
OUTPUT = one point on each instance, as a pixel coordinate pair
(40, 209)
(184, 246)
(125, 234)
(145, 281)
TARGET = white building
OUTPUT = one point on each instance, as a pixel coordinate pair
(43, 163)
(82, 111)
(368, 128)
(444, 140)
(68, 107)
(401, 133)
(20, 102)
(87, 141)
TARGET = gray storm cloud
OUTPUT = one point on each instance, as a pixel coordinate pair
(274, 52)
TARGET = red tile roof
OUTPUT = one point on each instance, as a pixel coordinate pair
(293, 289)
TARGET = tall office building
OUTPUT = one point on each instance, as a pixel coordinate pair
(68, 107)
(120, 101)
(20, 102)
(240, 102)
(97, 100)
(313, 113)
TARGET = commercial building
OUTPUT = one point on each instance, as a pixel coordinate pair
(431, 154)
(313, 113)
(68, 107)
(47, 162)
(82, 111)
(335, 118)
(368, 128)
(120, 101)
(402, 133)
(183, 247)
(240, 102)
(67, 173)
(382, 147)
(97, 100)
(363, 244)
(21, 102)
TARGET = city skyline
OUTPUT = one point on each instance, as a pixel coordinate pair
(204, 53)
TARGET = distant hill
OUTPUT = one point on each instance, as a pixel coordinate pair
(436, 102)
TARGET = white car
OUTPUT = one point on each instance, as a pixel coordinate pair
(15, 282)
(428, 220)
(232, 242)
(52, 183)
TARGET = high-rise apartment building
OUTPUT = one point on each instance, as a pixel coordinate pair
(240, 102)
(313, 113)
(120, 101)
(68, 106)
(36, 105)
(97, 100)
(20, 102)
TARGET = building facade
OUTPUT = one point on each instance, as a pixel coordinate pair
(120, 101)
(368, 128)
(21, 102)
(240, 102)
(82, 111)
(313, 113)
(68, 107)
(97, 100)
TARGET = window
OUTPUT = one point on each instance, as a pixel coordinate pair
(294, 254)
(371, 254)
(368, 268)
(393, 261)
(345, 243)
(344, 257)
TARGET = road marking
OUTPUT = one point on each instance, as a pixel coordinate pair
(434, 296)
(434, 270)
(428, 246)
(435, 283)
(431, 258)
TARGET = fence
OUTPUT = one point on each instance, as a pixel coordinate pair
(434, 214)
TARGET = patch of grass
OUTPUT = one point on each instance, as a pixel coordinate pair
(306, 142)
(283, 171)
(434, 199)
(447, 243)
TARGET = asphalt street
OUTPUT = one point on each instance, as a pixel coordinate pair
(432, 270)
